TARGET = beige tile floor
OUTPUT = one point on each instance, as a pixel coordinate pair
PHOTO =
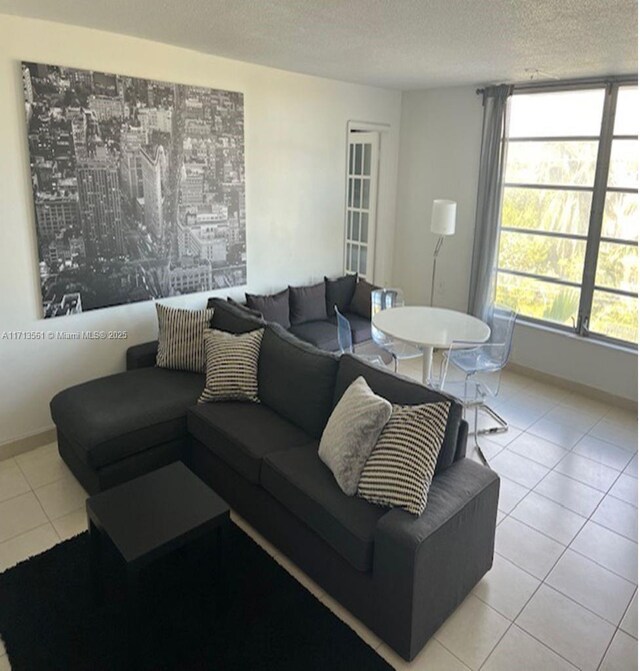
(562, 593)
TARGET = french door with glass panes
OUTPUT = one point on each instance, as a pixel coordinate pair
(362, 191)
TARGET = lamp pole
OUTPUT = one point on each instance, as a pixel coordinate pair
(436, 251)
(443, 223)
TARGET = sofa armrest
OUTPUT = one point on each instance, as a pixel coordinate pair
(461, 443)
(425, 566)
(142, 356)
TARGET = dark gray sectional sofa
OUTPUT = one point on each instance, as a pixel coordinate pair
(401, 575)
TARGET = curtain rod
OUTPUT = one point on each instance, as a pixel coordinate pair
(585, 82)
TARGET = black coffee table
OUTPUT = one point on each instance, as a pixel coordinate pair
(148, 518)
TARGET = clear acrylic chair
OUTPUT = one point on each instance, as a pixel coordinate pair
(480, 366)
(345, 341)
(383, 299)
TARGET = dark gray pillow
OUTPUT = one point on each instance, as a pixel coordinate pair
(241, 306)
(227, 317)
(296, 379)
(274, 308)
(307, 304)
(361, 301)
(339, 293)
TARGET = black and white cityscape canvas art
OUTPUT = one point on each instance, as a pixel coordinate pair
(138, 185)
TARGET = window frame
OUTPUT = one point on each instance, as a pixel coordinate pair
(599, 190)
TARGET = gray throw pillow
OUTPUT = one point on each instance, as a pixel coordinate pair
(352, 432)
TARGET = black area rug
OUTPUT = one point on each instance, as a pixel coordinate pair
(266, 621)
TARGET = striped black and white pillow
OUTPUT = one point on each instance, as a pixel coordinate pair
(180, 338)
(232, 366)
(400, 469)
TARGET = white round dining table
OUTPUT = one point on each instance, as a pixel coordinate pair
(430, 328)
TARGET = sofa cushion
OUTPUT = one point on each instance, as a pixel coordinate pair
(231, 318)
(232, 366)
(245, 308)
(322, 334)
(339, 293)
(400, 469)
(360, 327)
(274, 308)
(180, 337)
(352, 432)
(296, 379)
(307, 304)
(361, 301)
(305, 486)
(242, 434)
(402, 391)
(117, 416)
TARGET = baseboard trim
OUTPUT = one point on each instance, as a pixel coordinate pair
(585, 390)
(26, 443)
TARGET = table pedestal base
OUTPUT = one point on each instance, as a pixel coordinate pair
(427, 364)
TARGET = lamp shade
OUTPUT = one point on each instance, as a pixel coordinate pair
(443, 217)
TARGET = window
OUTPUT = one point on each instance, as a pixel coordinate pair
(568, 250)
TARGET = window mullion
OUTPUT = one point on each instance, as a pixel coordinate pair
(597, 209)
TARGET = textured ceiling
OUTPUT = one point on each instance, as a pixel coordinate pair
(405, 44)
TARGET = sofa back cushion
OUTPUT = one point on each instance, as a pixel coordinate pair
(232, 318)
(361, 301)
(339, 293)
(245, 307)
(307, 304)
(296, 380)
(401, 391)
(274, 308)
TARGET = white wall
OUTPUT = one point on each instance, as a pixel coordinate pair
(296, 130)
(439, 156)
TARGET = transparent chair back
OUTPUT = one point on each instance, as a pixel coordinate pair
(477, 359)
(479, 367)
(385, 299)
(502, 323)
(345, 339)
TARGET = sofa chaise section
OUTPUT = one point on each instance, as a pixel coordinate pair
(119, 418)
(115, 428)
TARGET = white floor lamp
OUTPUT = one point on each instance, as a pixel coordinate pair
(443, 223)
